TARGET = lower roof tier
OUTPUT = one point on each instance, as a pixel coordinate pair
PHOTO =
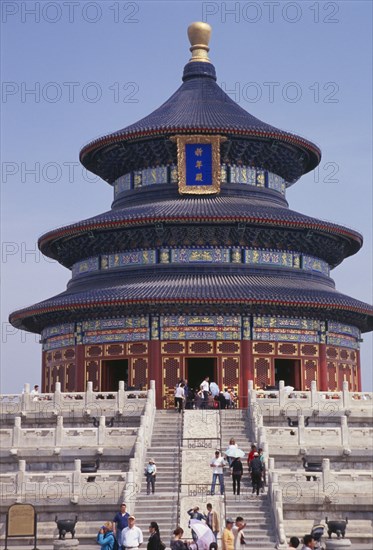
(259, 225)
(145, 292)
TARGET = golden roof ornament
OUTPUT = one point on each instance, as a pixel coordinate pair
(199, 35)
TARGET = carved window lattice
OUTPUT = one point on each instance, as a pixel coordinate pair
(115, 349)
(343, 354)
(230, 370)
(69, 353)
(263, 347)
(262, 371)
(171, 371)
(94, 351)
(57, 355)
(331, 352)
(137, 348)
(92, 369)
(332, 376)
(228, 347)
(200, 347)
(139, 371)
(70, 377)
(352, 355)
(308, 349)
(173, 347)
(288, 349)
(310, 372)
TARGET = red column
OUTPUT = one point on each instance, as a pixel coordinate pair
(246, 371)
(358, 381)
(323, 368)
(155, 370)
(79, 382)
(44, 388)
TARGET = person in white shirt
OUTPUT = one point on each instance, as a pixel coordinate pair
(179, 396)
(132, 536)
(217, 464)
(237, 530)
(205, 388)
(35, 393)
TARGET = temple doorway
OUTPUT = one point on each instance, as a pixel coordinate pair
(288, 370)
(113, 371)
(197, 368)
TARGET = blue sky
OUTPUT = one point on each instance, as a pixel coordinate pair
(72, 71)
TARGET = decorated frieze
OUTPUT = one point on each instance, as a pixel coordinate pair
(132, 257)
(243, 175)
(309, 263)
(201, 327)
(342, 341)
(59, 342)
(268, 257)
(249, 256)
(265, 321)
(86, 266)
(198, 255)
(48, 332)
(285, 335)
(340, 328)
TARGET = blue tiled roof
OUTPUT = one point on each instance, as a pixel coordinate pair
(298, 292)
(200, 106)
(224, 208)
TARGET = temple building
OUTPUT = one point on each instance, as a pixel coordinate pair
(199, 268)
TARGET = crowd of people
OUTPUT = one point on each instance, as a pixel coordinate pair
(122, 533)
(206, 396)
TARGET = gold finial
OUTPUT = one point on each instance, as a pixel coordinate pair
(199, 34)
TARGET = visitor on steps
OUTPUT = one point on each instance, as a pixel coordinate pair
(227, 539)
(154, 541)
(212, 520)
(294, 542)
(176, 542)
(120, 521)
(205, 388)
(132, 536)
(237, 530)
(150, 474)
(256, 473)
(308, 542)
(217, 464)
(237, 471)
(264, 477)
(250, 456)
(194, 513)
(180, 396)
(105, 537)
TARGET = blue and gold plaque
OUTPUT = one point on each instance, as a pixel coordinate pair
(198, 159)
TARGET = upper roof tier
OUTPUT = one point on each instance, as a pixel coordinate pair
(200, 106)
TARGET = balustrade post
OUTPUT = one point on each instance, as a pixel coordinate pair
(26, 398)
(346, 395)
(17, 432)
(76, 480)
(58, 440)
(121, 396)
(345, 436)
(325, 473)
(20, 480)
(57, 396)
(314, 393)
(101, 431)
(301, 428)
(282, 395)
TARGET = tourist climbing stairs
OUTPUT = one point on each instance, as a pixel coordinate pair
(256, 510)
(162, 507)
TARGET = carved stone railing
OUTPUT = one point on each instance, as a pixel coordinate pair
(144, 435)
(76, 403)
(18, 439)
(62, 487)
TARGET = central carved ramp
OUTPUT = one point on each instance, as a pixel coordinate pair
(162, 507)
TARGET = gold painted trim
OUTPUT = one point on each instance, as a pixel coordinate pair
(214, 141)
